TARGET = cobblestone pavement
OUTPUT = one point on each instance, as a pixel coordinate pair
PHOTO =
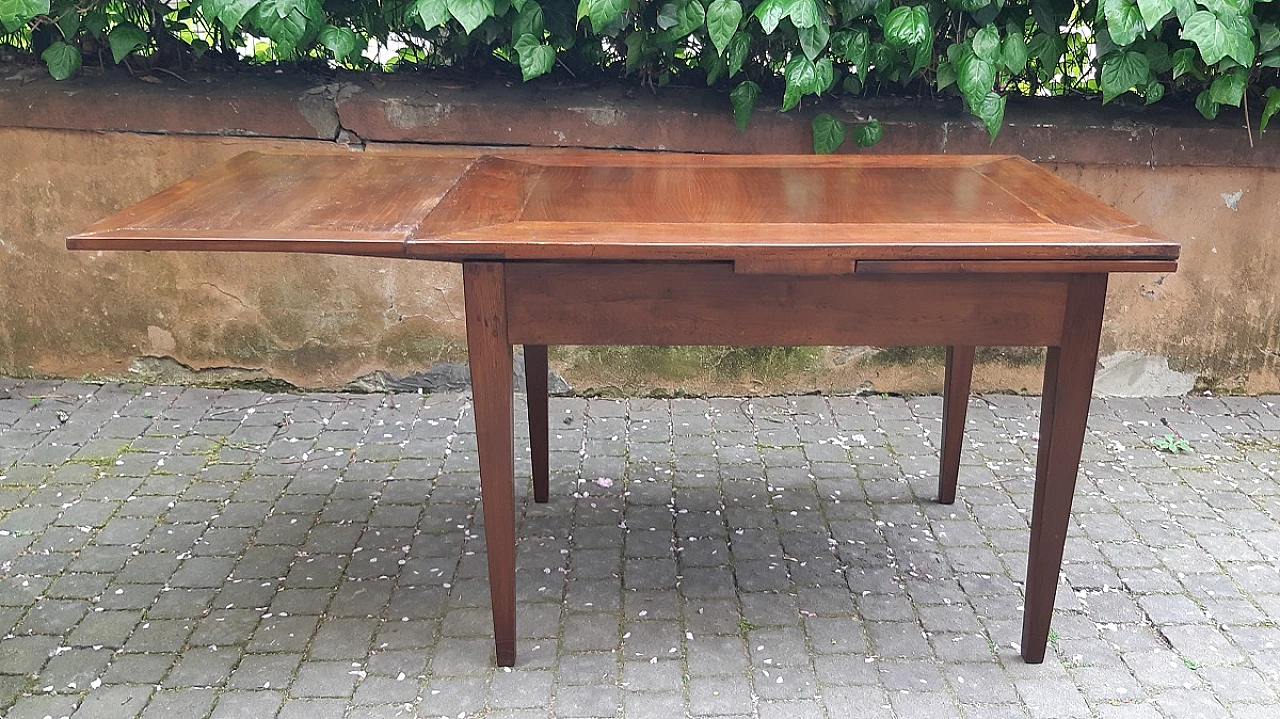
(172, 552)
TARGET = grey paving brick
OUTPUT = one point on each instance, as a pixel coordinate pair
(242, 704)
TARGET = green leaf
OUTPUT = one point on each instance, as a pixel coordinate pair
(63, 60)
(813, 39)
(802, 79)
(1228, 88)
(1047, 50)
(16, 13)
(1184, 61)
(535, 58)
(739, 46)
(601, 12)
(769, 13)
(852, 46)
(1124, 21)
(986, 44)
(723, 17)
(974, 76)
(470, 13)
(229, 12)
(803, 13)
(946, 75)
(1153, 11)
(743, 98)
(1209, 34)
(1207, 107)
(1270, 109)
(1184, 9)
(1013, 54)
(907, 26)
(1153, 92)
(341, 41)
(286, 29)
(1268, 37)
(991, 111)
(530, 20)
(828, 134)
(1121, 72)
(124, 39)
(1271, 59)
(868, 134)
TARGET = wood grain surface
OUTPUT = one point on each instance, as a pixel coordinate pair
(769, 214)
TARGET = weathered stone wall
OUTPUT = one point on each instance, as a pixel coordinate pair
(74, 152)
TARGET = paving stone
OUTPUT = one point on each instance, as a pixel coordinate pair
(180, 704)
(243, 704)
(113, 701)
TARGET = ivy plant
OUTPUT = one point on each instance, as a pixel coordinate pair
(1219, 53)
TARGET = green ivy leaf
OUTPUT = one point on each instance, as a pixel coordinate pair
(1228, 88)
(1184, 61)
(739, 46)
(1153, 92)
(991, 111)
(229, 12)
(743, 98)
(723, 17)
(1124, 21)
(946, 75)
(1013, 53)
(1268, 37)
(1207, 107)
(1153, 11)
(1184, 9)
(124, 39)
(535, 58)
(1121, 72)
(828, 134)
(470, 13)
(986, 44)
(853, 46)
(281, 22)
(1209, 35)
(974, 76)
(341, 41)
(16, 13)
(63, 60)
(868, 134)
(907, 26)
(529, 20)
(803, 13)
(769, 13)
(802, 79)
(1047, 50)
(601, 12)
(1270, 109)
(813, 40)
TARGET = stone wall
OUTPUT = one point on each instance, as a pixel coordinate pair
(73, 152)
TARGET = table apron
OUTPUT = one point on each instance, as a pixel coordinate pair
(708, 304)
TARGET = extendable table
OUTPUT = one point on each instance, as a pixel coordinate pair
(611, 247)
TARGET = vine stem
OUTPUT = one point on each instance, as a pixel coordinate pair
(1248, 128)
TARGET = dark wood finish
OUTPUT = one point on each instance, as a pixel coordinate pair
(1068, 385)
(815, 214)
(535, 382)
(692, 303)
(491, 387)
(955, 402)
(651, 248)
(350, 203)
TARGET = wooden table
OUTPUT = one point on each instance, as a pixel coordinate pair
(576, 247)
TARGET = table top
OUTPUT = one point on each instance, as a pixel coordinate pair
(765, 213)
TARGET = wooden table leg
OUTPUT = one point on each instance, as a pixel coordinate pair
(489, 354)
(955, 402)
(1068, 384)
(535, 381)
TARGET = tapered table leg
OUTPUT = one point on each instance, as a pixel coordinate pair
(491, 387)
(1068, 384)
(955, 401)
(535, 381)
